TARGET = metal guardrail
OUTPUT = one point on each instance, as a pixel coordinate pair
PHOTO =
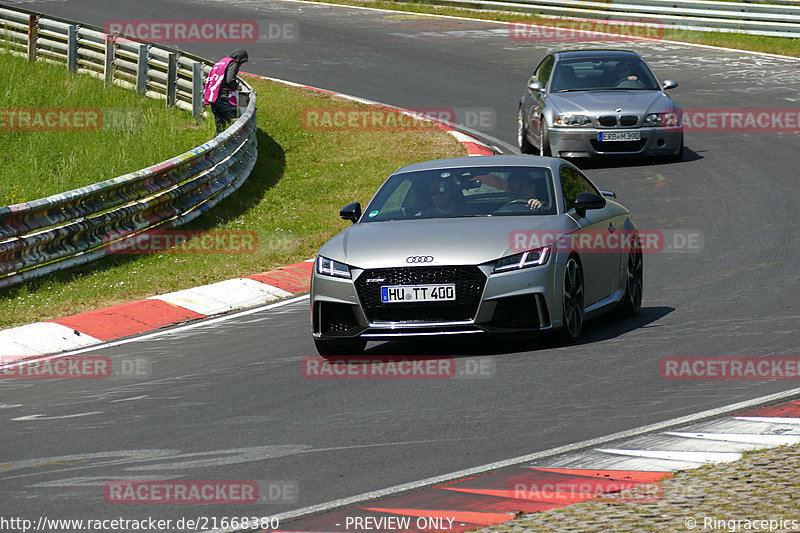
(698, 15)
(79, 226)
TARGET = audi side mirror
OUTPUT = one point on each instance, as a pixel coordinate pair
(351, 212)
(669, 84)
(588, 200)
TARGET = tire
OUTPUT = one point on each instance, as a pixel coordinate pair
(340, 347)
(522, 136)
(544, 151)
(632, 301)
(572, 309)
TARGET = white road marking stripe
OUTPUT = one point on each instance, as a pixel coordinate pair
(27, 418)
(750, 438)
(770, 419)
(690, 457)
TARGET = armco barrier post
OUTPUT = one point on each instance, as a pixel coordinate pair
(197, 90)
(33, 36)
(172, 78)
(72, 48)
(108, 64)
(141, 69)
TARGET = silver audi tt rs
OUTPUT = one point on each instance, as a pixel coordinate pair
(495, 244)
(588, 103)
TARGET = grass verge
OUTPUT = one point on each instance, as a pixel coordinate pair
(291, 200)
(787, 46)
(128, 133)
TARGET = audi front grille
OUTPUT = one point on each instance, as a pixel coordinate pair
(469, 282)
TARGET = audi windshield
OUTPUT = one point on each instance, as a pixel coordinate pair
(463, 192)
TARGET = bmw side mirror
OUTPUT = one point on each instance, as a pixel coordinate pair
(535, 86)
(351, 212)
(588, 200)
(669, 84)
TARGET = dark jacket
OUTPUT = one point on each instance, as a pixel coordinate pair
(229, 83)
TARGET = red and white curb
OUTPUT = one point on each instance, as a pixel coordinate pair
(134, 318)
(630, 471)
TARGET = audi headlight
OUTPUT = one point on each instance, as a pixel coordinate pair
(531, 258)
(329, 267)
(572, 120)
(662, 119)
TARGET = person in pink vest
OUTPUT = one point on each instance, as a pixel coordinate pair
(220, 86)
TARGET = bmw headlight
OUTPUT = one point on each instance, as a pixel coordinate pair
(329, 267)
(572, 120)
(662, 119)
(531, 258)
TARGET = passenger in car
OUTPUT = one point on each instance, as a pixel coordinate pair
(446, 199)
(564, 79)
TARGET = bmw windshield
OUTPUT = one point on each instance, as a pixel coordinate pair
(463, 192)
(594, 74)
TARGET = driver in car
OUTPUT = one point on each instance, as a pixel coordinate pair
(622, 71)
(523, 188)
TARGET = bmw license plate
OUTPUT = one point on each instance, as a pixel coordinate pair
(441, 292)
(606, 136)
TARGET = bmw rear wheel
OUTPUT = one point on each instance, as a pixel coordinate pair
(573, 300)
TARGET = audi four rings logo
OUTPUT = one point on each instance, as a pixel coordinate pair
(419, 259)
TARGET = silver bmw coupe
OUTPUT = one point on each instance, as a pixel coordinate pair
(492, 244)
(589, 103)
